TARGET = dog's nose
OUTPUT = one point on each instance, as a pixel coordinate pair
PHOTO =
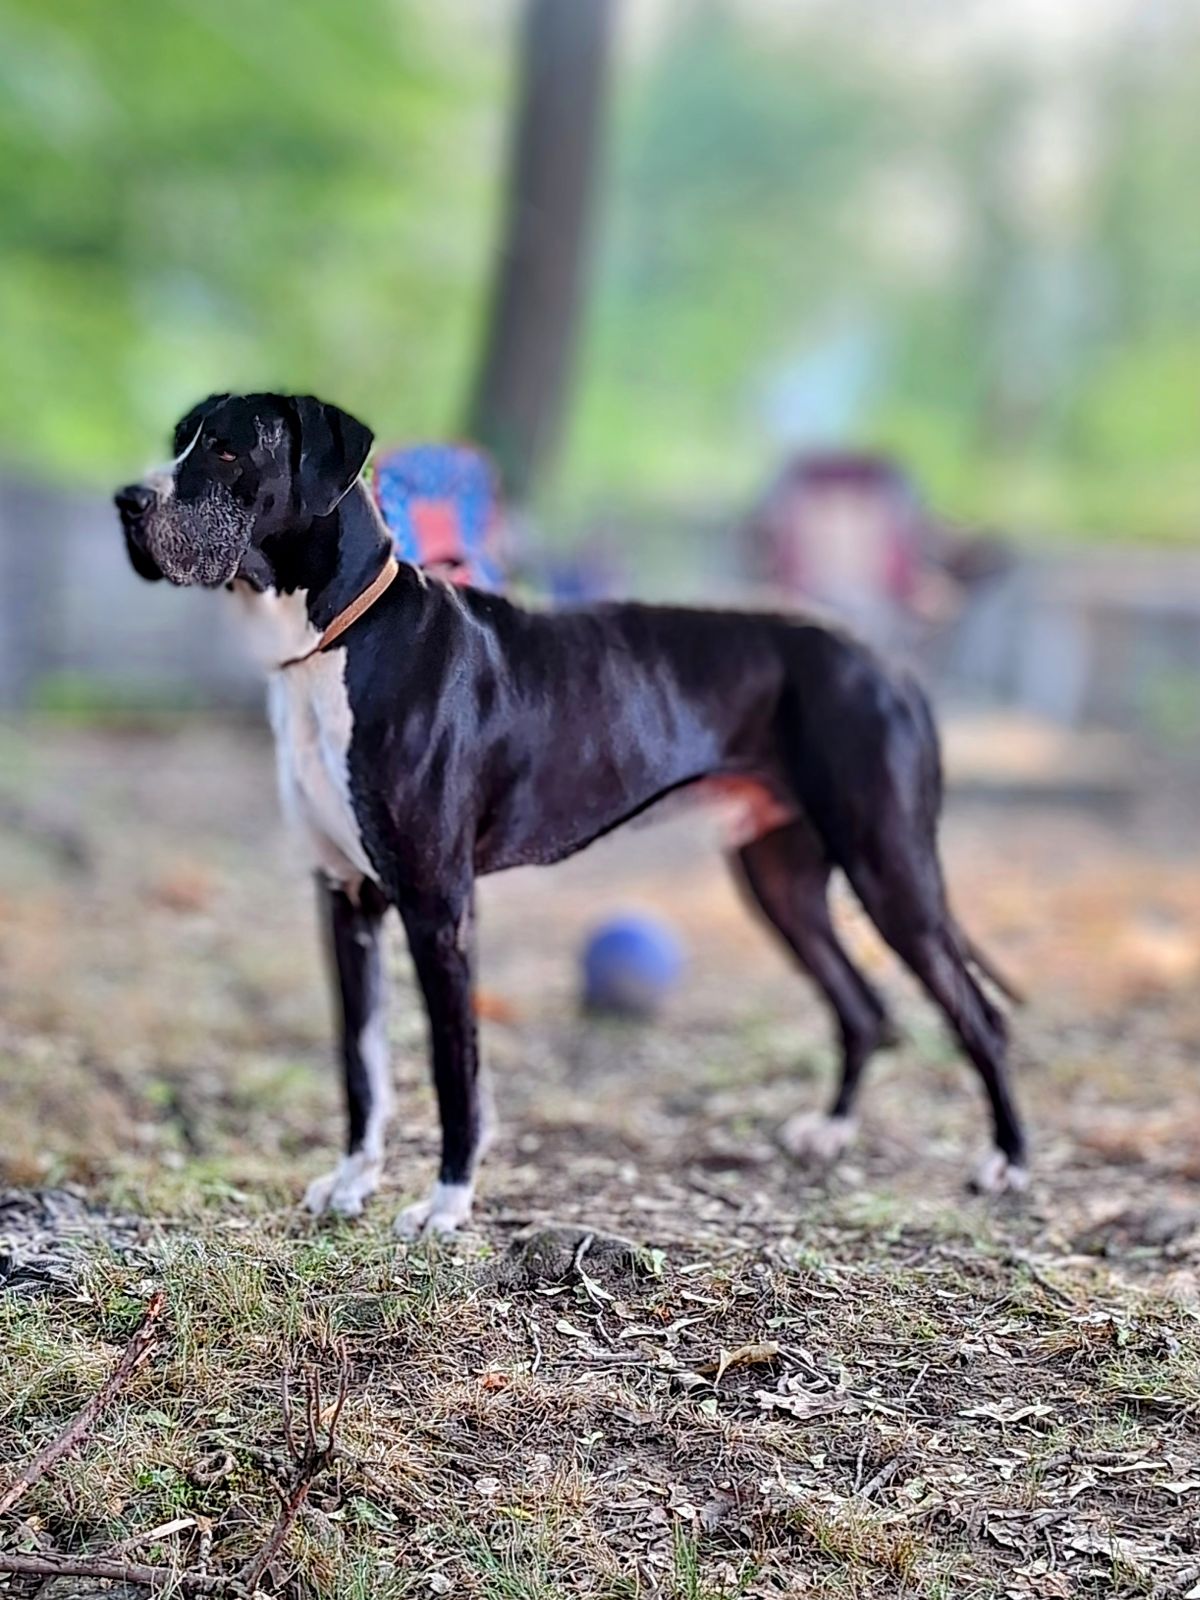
(134, 500)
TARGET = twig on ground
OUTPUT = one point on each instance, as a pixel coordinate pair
(150, 1536)
(1053, 1291)
(204, 1554)
(135, 1353)
(537, 1345)
(285, 1401)
(155, 1578)
(858, 1468)
(883, 1477)
(307, 1463)
(804, 1361)
(916, 1383)
(584, 1245)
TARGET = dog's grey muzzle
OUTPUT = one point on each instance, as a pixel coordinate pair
(199, 541)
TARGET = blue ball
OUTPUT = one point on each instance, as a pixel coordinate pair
(630, 964)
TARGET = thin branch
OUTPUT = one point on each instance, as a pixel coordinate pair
(883, 1477)
(153, 1578)
(149, 1536)
(537, 1345)
(307, 1464)
(136, 1352)
(307, 1461)
(335, 1415)
(312, 1409)
(288, 1512)
(289, 1432)
(581, 1249)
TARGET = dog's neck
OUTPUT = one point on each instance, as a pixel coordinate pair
(296, 583)
(334, 559)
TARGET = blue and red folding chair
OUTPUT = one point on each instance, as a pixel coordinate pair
(442, 504)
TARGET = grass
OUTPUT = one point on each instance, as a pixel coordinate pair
(573, 1462)
(1009, 1393)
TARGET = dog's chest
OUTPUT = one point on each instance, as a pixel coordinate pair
(313, 724)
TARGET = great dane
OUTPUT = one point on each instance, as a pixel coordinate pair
(427, 734)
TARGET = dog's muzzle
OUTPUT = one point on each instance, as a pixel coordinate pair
(198, 541)
(132, 503)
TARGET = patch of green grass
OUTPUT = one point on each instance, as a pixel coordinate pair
(83, 699)
(855, 1536)
(689, 1574)
(511, 1562)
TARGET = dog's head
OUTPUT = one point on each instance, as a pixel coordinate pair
(246, 467)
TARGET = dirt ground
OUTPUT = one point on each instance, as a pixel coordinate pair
(768, 1383)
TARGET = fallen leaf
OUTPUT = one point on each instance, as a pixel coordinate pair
(1095, 1542)
(1007, 1410)
(1121, 1467)
(802, 1403)
(746, 1355)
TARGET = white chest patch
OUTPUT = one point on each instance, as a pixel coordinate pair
(311, 719)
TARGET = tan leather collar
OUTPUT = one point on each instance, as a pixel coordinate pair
(347, 618)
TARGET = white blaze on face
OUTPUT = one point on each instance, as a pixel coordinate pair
(199, 540)
(162, 479)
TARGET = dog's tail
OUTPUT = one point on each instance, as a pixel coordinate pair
(967, 948)
(971, 953)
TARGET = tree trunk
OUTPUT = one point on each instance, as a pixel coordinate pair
(517, 407)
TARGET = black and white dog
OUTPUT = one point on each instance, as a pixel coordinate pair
(427, 734)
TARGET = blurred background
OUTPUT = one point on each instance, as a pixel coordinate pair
(891, 305)
(649, 255)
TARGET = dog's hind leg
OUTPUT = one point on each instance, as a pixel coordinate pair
(354, 927)
(871, 785)
(904, 898)
(786, 875)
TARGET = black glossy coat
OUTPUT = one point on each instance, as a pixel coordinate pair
(488, 736)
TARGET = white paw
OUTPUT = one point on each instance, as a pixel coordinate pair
(344, 1190)
(445, 1211)
(815, 1138)
(996, 1174)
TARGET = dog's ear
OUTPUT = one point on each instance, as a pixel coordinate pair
(333, 448)
(142, 562)
(188, 425)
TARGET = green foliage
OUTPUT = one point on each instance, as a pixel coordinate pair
(1036, 369)
(198, 196)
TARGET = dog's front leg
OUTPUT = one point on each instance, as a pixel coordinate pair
(439, 936)
(354, 928)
